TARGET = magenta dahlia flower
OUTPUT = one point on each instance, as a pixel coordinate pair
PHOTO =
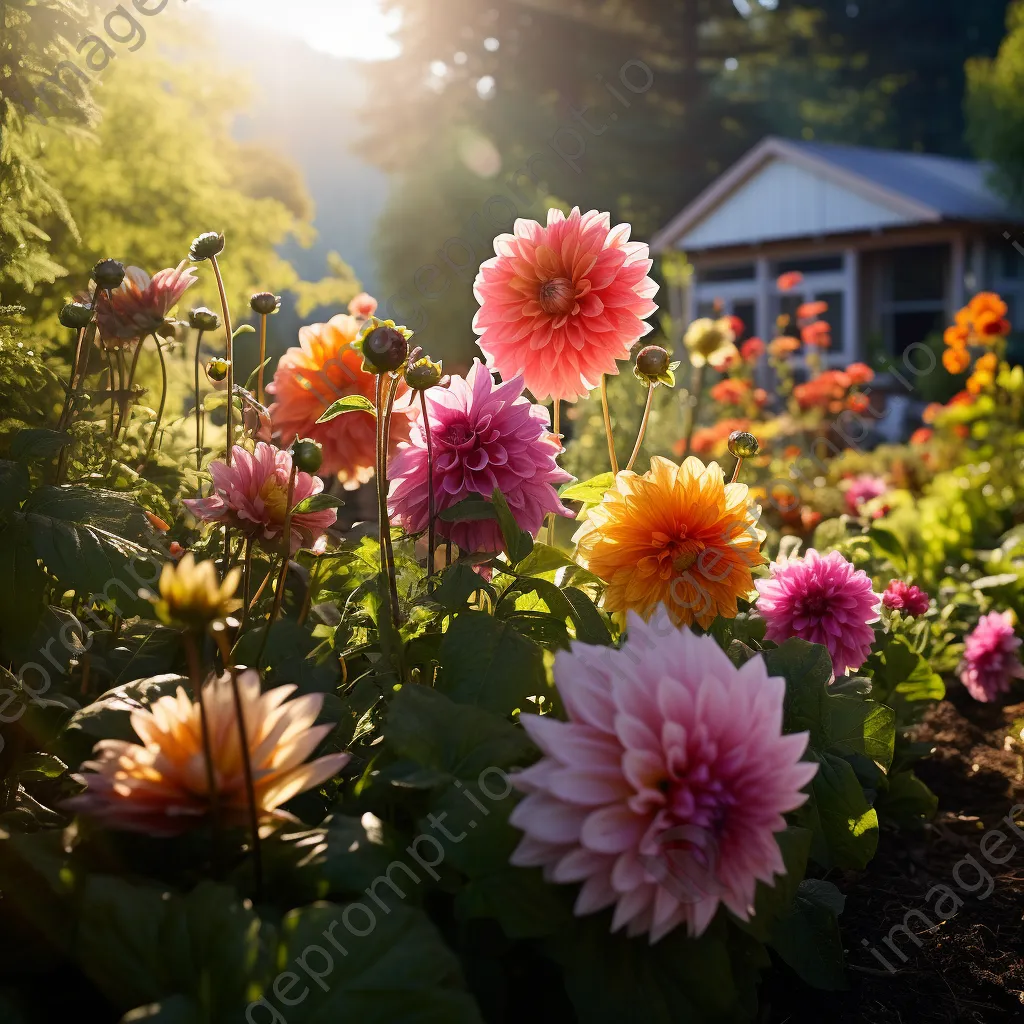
(903, 597)
(663, 792)
(991, 662)
(560, 304)
(251, 495)
(485, 435)
(824, 600)
(863, 489)
(140, 306)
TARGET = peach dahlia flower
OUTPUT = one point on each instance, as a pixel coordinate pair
(312, 377)
(678, 536)
(159, 785)
(559, 304)
(663, 791)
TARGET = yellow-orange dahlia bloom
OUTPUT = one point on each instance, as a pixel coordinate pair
(312, 377)
(987, 302)
(956, 360)
(678, 536)
(159, 785)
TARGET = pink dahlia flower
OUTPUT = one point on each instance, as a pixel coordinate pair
(485, 435)
(560, 304)
(903, 597)
(990, 660)
(363, 306)
(251, 495)
(824, 600)
(863, 489)
(663, 791)
(140, 305)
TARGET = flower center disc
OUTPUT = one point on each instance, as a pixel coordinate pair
(557, 297)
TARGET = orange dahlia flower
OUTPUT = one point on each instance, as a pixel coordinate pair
(956, 360)
(811, 310)
(731, 391)
(987, 363)
(788, 281)
(309, 379)
(678, 536)
(159, 785)
(986, 302)
(957, 336)
(988, 325)
(818, 334)
(560, 303)
(860, 373)
(783, 345)
(921, 436)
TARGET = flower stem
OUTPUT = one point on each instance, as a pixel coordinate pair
(199, 408)
(736, 471)
(608, 424)
(556, 430)
(80, 370)
(163, 401)
(697, 394)
(279, 592)
(263, 358)
(386, 391)
(430, 493)
(196, 677)
(122, 388)
(243, 742)
(246, 581)
(229, 355)
(643, 427)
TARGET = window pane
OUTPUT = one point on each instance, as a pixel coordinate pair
(745, 272)
(810, 265)
(919, 273)
(706, 309)
(747, 312)
(913, 328)
(834, 317)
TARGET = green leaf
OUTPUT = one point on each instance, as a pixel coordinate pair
(22, 590)
(807, 937)
(350, 403)
(904, 680)
(772, 900)
(590, 626)
(14, 485)
(250, 384)
(590, 492)
(485, 662)
(243, 329)
(906, 801)
(543, 559)
(518, 543)
(469, 509)
(888, 544)
(458, 583)
(39, 444)
(317, 503)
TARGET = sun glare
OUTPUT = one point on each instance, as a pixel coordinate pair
(357, 29)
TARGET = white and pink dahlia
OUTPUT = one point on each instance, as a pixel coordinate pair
(251, 495)
(140, 305)
(824, 600)
(484, 435)
(663, 791)
(560, 304)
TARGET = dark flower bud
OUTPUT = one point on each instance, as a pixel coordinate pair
(206, 246)
(217, 369)
(108, 274)
(385, 348)
(743, 445)
(307, 456)
(423, 374)
(265, 303)
(76, 315)
(652, 361)
(203, 319)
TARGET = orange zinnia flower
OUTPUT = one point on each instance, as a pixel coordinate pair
(988, 363)
(783, 345)
(788, 281)
(986, 302)
(956, 360)
(921, 436)
(811, 310)
(818, 333)
(957, 336)
(989, 325)
(309, 379)
(678, 536)
(730, 391)
(979, 381)
(860, 373)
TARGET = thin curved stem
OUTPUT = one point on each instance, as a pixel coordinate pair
(199, 407)
(608, 424)
(246, 581)
(163, 401)
(243, 742)
(430, 493)
(556, 430)
(80, 370)
(196, 677)
(229, 356)
(387, 389)
(121, 377)
(643, 427)
(263, 358)
(287, 540)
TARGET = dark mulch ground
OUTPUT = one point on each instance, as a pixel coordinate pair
(969, 968)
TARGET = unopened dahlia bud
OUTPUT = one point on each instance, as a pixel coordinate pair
(206, 246)
(307, 456)
(76, 315)
(385, 348)
(265, 303)
(423, 374)
(743, 445)
(203, 319)
(108, 274)
(217, 369)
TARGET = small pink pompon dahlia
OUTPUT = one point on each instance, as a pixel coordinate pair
(863, 489)
(485, 435)
(901, 596)
(251, 495)
(824, 600)
(560, 304)
(140, 305)
(663, 792)
(991, 662)
(159, 785)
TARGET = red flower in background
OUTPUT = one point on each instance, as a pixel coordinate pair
(921, 436)
(818, 334)
(788, 281)
(811, 310)
(730, 391)
(752, 349)
(860, 373)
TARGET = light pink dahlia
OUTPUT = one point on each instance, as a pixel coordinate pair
(991, 662)
(485, 435)
(251, 495)
(140, 305)
(663, 792)
(560, 304)
(862, 489)
(824, 600)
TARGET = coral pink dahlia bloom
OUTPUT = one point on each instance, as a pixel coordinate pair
(485, 435)
(991, 662)
(251, 495)
(901, 596)
(560, 304)
(824, 600)
(663, 792)
(140, 305)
